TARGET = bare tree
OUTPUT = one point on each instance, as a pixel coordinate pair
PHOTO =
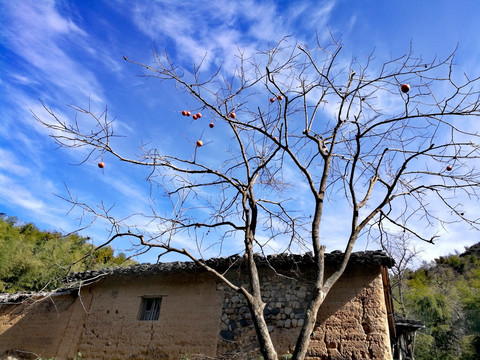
(396, 157)
(400, 247)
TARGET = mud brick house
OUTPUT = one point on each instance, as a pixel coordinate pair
(169, 310)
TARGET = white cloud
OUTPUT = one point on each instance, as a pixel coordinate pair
(223, 25)
(11, 163)
(18, 195)
(45, 45)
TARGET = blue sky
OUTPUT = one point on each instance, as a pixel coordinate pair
(71, 53)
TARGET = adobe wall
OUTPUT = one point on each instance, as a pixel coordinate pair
(352, 322)
(37, 326)
(188, 321)
(199, 316)
(357, 329)
(105, 325)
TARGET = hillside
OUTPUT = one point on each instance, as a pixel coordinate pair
(34, 260)
(445, 295)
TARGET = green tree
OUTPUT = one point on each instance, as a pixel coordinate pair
(33, 260)
(471, 302)
(445, 295)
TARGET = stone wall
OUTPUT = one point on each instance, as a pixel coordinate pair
(352, 322)
(286, 299)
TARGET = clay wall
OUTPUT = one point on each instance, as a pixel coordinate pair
(353, 322)
(188, 321)
(106, 325)
(38, 327)
(198, 315)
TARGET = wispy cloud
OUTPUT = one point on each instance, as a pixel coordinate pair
(67, 52)
(11, 163)
(19, 195)
(223, 25)
(44, 45)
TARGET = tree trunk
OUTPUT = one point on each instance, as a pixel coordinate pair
(265, 341)
(255, 302)
(319, 292)
(303, 340)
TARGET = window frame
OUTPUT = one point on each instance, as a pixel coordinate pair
(150, 306)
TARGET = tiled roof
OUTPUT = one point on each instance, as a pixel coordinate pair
(277, 261)
(400, 321)
(280, 262)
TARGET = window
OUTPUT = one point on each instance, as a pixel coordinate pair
(150, 308)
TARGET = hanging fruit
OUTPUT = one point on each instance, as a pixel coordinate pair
(405, 88)
(101, 164)
(199, 143)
